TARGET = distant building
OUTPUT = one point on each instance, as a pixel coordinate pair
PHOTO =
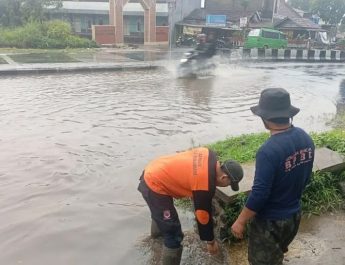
(238, 17)
(124, 21)
(82, 15)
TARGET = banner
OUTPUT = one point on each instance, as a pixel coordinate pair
(216, 20)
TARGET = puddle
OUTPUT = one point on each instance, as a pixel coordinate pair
(146, 55)
(49, 57)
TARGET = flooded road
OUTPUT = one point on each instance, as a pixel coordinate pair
(73, 147)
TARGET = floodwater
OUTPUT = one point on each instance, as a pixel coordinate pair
(73, 147)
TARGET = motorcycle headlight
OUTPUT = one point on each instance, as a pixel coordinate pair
(184, 60)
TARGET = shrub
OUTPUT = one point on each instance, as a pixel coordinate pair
(53, 34)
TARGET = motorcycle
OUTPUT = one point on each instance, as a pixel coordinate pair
(186, 40)
(194, 64)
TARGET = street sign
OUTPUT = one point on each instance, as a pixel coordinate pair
(216, 20)
(243, 22)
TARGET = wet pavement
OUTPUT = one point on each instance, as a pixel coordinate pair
(320, 241)
(74, 144)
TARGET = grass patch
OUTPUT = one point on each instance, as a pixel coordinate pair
(49, 57)
(242, 148)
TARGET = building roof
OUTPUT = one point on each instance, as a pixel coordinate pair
(297, 23)
(102, 8)
(200, 14)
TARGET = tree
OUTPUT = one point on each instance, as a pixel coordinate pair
(330, 11)
(10, 12)
(18, 12)
(245, 4)
(304, 5)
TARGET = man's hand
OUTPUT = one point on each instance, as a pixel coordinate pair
(237, 229)
(213, 247)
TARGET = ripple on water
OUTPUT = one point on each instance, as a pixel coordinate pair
(73, 142)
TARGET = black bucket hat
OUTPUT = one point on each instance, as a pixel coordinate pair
(235, 172)
(274, 103)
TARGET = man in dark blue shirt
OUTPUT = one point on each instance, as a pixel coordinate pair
(283, 168)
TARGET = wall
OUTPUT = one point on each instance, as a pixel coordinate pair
(162, 34)
(103, 34)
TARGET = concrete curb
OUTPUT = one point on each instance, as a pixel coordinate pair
(312, 55)
(75, 67)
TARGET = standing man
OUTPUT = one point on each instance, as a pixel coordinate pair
(283, 168)
(194, 174)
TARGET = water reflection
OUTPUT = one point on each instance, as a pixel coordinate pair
(199, 90)
(73, 147)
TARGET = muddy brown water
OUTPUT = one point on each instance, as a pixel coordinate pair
(73, 147)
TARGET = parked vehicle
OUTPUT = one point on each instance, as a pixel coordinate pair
(266, 38)
(186, 40)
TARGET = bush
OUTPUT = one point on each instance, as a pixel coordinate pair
(53, 34)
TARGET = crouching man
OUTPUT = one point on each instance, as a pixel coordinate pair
(191, 174)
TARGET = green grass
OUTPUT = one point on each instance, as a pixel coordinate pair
(49, 57)
(242, 148)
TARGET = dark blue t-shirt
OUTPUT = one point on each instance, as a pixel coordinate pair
(283, 167)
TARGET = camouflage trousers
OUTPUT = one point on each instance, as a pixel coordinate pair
(269, 240)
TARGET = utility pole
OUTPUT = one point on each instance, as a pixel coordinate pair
(171, 8)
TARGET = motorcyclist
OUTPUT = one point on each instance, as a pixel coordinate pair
(207, 45)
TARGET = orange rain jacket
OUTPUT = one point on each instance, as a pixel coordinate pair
(187, 174)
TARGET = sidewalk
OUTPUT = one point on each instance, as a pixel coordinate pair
(82, 60)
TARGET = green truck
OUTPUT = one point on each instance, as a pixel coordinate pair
(266, 38)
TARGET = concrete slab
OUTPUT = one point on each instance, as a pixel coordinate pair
(227, 195)
(326, 160)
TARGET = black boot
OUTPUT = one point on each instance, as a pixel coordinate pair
(172, 256)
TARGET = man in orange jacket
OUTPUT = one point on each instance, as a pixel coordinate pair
(190, 174)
